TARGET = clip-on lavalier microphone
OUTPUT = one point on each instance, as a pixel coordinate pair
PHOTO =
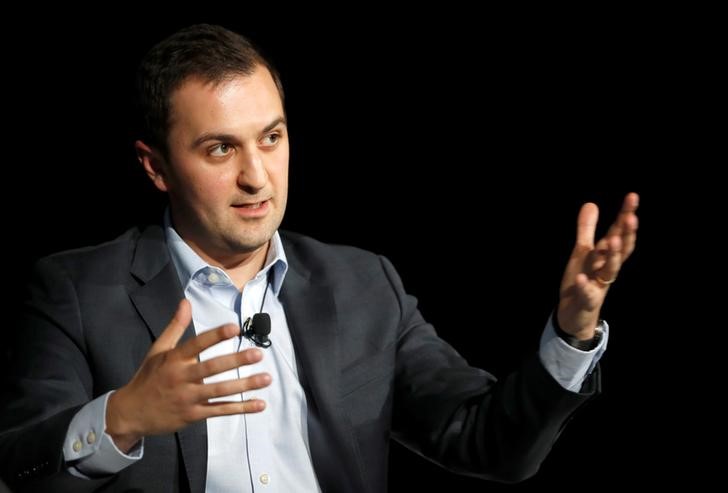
(258, 328)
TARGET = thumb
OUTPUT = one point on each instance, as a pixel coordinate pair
(174, 330)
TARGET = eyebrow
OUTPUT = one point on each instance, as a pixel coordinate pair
(232, 138)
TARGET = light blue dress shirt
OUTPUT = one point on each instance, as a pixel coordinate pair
(266, 451)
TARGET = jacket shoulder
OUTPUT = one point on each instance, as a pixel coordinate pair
(319, 257)
(112, 258)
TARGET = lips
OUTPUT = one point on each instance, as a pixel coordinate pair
(252, 209)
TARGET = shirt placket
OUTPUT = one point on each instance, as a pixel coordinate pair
(259, 448)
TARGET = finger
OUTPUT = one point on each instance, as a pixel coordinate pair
(196, 345)
(602, 246)
(631, 202)
(598, 256)
(613, 261)
(598, 263)
(235, 386)
(629, 206)
(213, 366)
(629, 236)
(213, 409)
(174, 330)
(586, 225)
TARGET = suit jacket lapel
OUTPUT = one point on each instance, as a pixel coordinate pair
(311, 315)
(156, 300)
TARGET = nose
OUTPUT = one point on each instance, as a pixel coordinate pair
(252, 176)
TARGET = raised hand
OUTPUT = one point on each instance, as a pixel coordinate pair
(168, 393)
(592, 268)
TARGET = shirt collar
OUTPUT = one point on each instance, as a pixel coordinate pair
(188, 263)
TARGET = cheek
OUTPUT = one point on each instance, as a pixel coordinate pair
(223, 180)
(210, 190)
(278, 170)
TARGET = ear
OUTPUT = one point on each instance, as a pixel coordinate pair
(153, 164)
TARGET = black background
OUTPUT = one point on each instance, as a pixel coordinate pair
(461, 148)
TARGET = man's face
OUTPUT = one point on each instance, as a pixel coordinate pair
(227, 173)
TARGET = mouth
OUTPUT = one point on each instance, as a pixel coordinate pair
(252, 209)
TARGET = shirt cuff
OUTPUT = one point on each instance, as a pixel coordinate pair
(89, 450)
(569, 366)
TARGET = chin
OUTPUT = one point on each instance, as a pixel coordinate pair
(250, 242)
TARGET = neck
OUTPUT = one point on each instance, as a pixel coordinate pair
(241, 267)
(245, 270)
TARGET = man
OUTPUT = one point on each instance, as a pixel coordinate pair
(139, 368)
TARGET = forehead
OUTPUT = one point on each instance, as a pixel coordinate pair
(238, 101)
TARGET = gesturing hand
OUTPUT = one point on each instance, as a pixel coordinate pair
(168, 393)
(592, 268)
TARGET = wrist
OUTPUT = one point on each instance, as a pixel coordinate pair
(117, 427)
(583, 340)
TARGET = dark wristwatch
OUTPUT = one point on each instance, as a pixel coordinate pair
(585, 345)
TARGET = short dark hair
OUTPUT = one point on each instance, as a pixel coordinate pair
(210, 52)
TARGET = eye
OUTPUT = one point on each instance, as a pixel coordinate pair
(271, 139)
(221, 150)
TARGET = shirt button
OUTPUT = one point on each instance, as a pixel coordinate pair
(264, 478)
(213, 278)
(77, 446)
(91, 438)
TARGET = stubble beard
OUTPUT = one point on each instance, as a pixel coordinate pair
(247, 238)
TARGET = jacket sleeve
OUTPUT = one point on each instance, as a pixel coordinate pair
(464, 418)
(48, 381)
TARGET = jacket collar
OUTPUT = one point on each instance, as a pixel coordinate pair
(314, 325)
(156, 299)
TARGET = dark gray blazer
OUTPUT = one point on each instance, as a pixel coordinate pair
(371, 367)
